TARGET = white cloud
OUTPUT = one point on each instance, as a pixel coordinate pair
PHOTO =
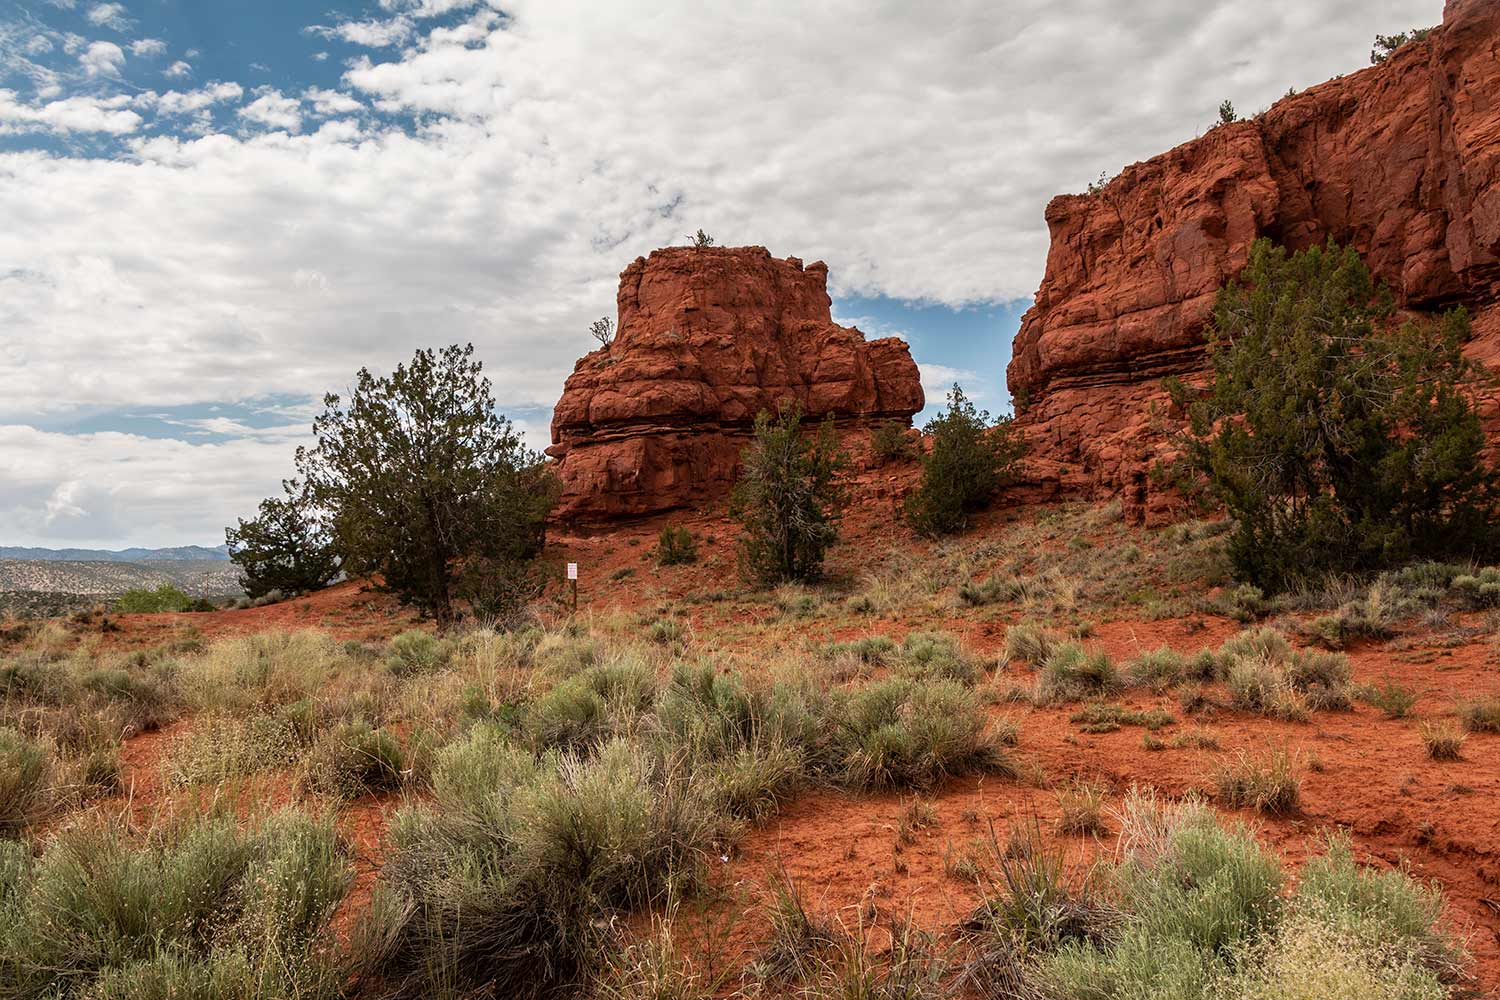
(39, 45)
(73, 114)
(178, 70)
(914, 155)
(109, 15)
(102, 59)
(180, 103)
(274, 109)
(148, 48)
(331, 102)
(375, 33)
(320, 56)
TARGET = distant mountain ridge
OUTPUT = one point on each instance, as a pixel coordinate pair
(182, 553)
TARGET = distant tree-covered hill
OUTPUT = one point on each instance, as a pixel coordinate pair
(182, 553)
(105, 578)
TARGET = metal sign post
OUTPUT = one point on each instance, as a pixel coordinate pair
(573, 580)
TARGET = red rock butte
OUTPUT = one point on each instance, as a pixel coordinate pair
(1401, 161)
(707, 338)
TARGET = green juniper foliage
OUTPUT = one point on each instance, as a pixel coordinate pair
(430, 488)
(285, 548)
(970, 460)
(789, 497)
(1338, 439)
(1386, 45)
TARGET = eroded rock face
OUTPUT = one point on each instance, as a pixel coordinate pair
(707, 338)
(1400, 160)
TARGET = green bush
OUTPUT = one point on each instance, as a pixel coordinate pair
(591, 705)
(140, 601)
(891, 442)
(970, 460)
(928, 655)
(675, 546)
(1338, 439)
(789, 499)
(416, 652)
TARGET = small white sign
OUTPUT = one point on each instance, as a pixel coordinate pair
(572, 571)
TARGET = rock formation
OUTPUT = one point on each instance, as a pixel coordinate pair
(1400, 160)
(707, 338)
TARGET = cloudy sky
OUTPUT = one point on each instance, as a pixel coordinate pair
(212, 211)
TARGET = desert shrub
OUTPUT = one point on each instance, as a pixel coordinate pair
(142, 601)
(1386, 45)
(1384, 909)
(1480, 589)
(507, 884)
(1246, 603)
(1394, 700)
(926, 655)
(416, 652)
(902, 733)
(431, 491)
(970, 460)
(1266, 676)
(216, 907)
(591, 704)
(1159, 668)
(1268, 784)
(1190, 894)
(1072, 673)
(1339, 440)
(1442, 741)
(1029, 642)
(284, 548)
(1201, 914)
(789, 498)
(675, 546)
(749, 746)
(1481, 715)
(23, 782)
(355, 759)
(891, 442)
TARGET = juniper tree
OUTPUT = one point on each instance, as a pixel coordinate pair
(970, 460)
(431, 490)
(1339, 438)
(286, 547)
(789, 498)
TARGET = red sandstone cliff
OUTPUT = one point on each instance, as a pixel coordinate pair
(709, 337)
(1401, 160)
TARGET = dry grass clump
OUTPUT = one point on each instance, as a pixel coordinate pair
(1394, 700)
(1268, 783)
(901, 733)
(1442, 741)
(1481, 715)
(1029, 642)
(1081, 807)
(1107, 717)
(1072, 673)
(24, 769)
